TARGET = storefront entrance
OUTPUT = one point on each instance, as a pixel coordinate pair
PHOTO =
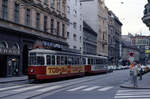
(3, 65)
(13, 66)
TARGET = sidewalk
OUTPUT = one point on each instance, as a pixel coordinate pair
(13, 79)
(142, 84)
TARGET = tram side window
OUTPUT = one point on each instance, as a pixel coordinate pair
(32, 60)
(89, 61)
(58, 60)
(70, 60)
(53, 60)
(84, 61)
(40, 60)
(48, 57)
(66, 58)
(92, 62)
(73, 61)
(62, 60)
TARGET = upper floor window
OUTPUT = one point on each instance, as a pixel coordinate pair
(68, 9)
(74, 12)
(16, 13)
(4, 8)
(58, 26)
(45, 1)
(58, 4)
(75, 25)
(52, 25)
(63, 6)
(68, 34)
(52, 3)
(75, 37)
(28, 16)
(38, 20)
(45, 23)
(63, 30)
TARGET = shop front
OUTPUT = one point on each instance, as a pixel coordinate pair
(9, 61)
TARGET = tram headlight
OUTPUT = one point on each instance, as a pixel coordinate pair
(31, 70)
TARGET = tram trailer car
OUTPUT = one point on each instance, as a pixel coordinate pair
(49, 64)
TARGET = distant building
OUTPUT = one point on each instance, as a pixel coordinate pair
(95, 14)
(114, 38)
(143, 43)
(89, 40)
(25, 22)
(75, 25)
(126, 49)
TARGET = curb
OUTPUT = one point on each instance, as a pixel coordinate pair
(130, 87)
(12, 81)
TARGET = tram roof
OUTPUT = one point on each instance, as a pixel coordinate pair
(46, 51)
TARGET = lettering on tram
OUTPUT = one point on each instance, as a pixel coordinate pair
(49, 64)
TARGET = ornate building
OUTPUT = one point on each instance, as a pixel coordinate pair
(75, 25)
(146, 17)
(114, 38)
(25, 22)
(95, 14)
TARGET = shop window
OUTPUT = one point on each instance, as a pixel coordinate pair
(3, 45)
(15, 46)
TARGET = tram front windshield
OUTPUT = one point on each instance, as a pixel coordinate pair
(36, 60)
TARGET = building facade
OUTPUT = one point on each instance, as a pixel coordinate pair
(95, 14)
(89, 40)
(126, 49)
(146, 17)
(75, 25)
(114, 38)
(25, 22)
(143, 43)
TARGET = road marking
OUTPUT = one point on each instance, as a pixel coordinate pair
(28, 88)
(91, 88)
(105, 89)
(12, 87)
(133, 94)
(74, 89)
(49, 88)
(126, 97)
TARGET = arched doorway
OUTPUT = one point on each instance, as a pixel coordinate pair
(25, 59)
(3, 59)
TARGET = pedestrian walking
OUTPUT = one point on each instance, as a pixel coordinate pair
(140, 71)
(135, 73)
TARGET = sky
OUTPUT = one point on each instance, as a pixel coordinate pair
(130, 13)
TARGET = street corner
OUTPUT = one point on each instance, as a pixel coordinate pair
(129, 85)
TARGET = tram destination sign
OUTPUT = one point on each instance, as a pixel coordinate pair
(9, 51)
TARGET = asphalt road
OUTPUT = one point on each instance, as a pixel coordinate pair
(106, 86)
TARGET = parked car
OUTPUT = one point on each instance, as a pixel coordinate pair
(110, 68)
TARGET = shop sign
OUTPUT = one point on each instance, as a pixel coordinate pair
(51, 44)
(9, 51)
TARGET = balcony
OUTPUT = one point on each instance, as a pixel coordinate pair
(146, 17)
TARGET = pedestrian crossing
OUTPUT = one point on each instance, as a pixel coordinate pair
(25, 91)
(133, 94)
(91, 88)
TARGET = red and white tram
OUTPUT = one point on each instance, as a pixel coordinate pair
(49, 64)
